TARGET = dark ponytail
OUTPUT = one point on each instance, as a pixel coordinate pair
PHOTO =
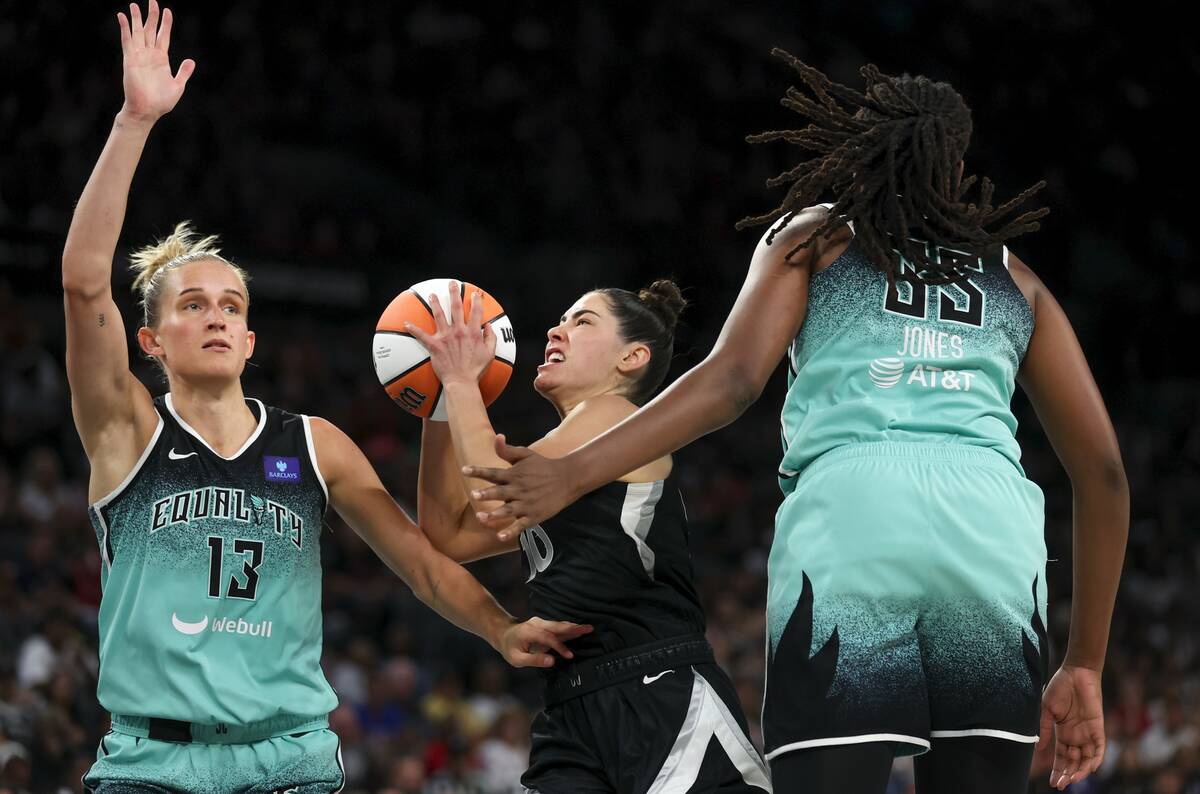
(648, 317)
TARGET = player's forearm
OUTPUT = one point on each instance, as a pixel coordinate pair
(100, 213)
(1101, 528)
(471, 431)
(441, 500)
(706, 398)
(451, 591)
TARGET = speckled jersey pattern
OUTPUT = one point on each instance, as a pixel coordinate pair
(211, 608)
(906, 593)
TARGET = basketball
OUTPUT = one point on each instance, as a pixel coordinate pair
(402, 363)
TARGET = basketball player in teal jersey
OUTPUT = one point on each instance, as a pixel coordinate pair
(906, 594)
(208, 507)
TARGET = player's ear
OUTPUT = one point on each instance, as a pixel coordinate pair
(148, 341)
(635, 357)
(249, 344)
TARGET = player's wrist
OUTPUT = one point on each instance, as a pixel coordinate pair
(133, 121)
(1083, 661)
(498, 626)
(460, 380)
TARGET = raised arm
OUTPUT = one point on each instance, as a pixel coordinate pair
(112, 410)
(1059, 383)
(766, 317)
(360, 498)
(460, 349)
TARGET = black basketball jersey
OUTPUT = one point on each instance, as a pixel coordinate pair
(618, 559)
(211, 572)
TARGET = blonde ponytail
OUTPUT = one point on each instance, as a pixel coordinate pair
(152, 263)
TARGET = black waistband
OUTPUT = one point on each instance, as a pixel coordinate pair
(573, 679)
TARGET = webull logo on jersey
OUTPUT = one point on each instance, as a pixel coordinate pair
(229, 504)
(279, 469)
(240, 626)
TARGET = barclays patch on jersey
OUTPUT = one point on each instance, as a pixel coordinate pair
(281, 469)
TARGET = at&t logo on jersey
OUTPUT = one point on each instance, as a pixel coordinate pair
(281, 469)
(886, 372)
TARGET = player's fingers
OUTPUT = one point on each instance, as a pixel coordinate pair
(123, 22)
(186, 67)
(456, 302)
(150, 32)
(489, 337)
(511, 453)
(548, 639)
(421, 335)
(477, 310)
(164, 31)
(499, 476)
(439, 317)
(569, 631)
(514, 529)
(1045, 728)
(135, 29)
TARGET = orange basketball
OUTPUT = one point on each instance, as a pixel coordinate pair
(402, 363)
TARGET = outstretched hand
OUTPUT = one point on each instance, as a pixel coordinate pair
(528, 644)
(150, 89)
(1073, 715)
(533, 489)
(461, 346)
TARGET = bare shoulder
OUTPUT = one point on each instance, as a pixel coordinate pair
(1026, 280)
(335, 450)
(798, 229)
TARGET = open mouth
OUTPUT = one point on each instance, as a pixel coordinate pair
(553, 356)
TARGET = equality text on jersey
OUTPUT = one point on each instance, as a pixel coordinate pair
(229, 504)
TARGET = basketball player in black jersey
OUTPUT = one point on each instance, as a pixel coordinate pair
(208, 506)
(643, 708)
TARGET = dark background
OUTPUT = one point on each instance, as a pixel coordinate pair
(347, 151)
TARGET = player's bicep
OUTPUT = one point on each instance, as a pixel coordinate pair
(771, 305)
(104, 392)
(1056, 377)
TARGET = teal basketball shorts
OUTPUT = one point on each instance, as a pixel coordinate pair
(307, 762)
(906, 600)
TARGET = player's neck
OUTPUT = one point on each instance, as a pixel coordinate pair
(219, 414)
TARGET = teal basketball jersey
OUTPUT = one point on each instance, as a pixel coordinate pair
(211, 575)
(905, 362)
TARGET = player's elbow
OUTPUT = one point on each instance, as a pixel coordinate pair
(738, 389)
(82, 289)
(1103, 473)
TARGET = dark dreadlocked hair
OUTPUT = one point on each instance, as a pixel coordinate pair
(890, 155)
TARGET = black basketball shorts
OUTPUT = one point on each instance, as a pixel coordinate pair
(667, 724)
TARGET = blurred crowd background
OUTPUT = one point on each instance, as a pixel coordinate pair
(538, 149)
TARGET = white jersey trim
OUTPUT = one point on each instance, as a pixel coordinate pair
(262, 422)
(141, 461)
(100, 503)
(707, 717)
(838, 740)
(637, 514)
(989, 732)
(1004, 255)
(312, 455)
